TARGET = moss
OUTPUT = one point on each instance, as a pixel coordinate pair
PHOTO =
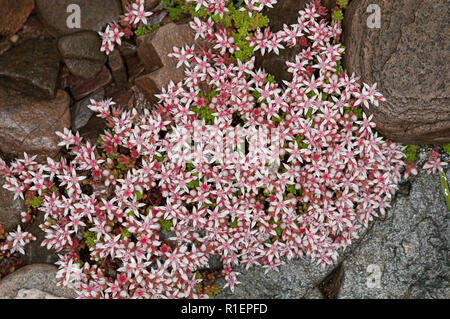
(140, 31)
(342, 3)
(338, 15)
(446, 148)
(166, 225)
(411, 152)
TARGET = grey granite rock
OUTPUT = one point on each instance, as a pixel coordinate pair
(35, 294)
(38, 276)
(408, 251)
(294, 280)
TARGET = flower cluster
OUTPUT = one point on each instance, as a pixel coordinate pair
(16, 241)
(219, 7)
(140, 217)
(434, 163)
(114, 33)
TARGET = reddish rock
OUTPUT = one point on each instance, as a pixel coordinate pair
(93, 129)
(284, 12)
(151, 84)
(408, 58)
(32, 68)
(153, 49)
(81, 88)
(5, 45)
(122, 97)
(33, 29)
(135, 68)
(28, 124)
(127, 48)
(118, 69)
(13, 15)
(95, 14)
(36, 276)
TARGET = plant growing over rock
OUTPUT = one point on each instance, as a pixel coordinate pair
(132, 19)
(227, 164)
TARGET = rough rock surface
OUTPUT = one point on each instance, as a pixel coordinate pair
(38, 276)
(28, 124)
(80, 113)
(34, 252)
(118, 69)
(149, 4)
(35, 294)
(95, 14)
(410, 248)
(294, 280)
(153, 49)
(284, 12)
(10, 208)
(32, 68)
(14, 13)
(81, 88)
(408, 58)
(81, 53)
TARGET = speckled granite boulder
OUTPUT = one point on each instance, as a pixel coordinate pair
(41, 277)
(408, 251)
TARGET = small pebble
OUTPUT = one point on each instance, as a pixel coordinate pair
(14, 38)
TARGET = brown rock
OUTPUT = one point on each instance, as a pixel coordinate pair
(37, 276)
(10, 208)
(13, 15)
(34, 252)
(79, 111)
(93, 129)
(120, 96)
(28, 124)
(151, 84)
(81, 88)
(32, 68)
(149, 4)
(118, 69)
(33, 29)
(408, 58)
(5, 45)
(95, 14)
(127, 48)
(135, 68)
(81, 53)
(83, 69)
(284, 12)
(153, 49)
